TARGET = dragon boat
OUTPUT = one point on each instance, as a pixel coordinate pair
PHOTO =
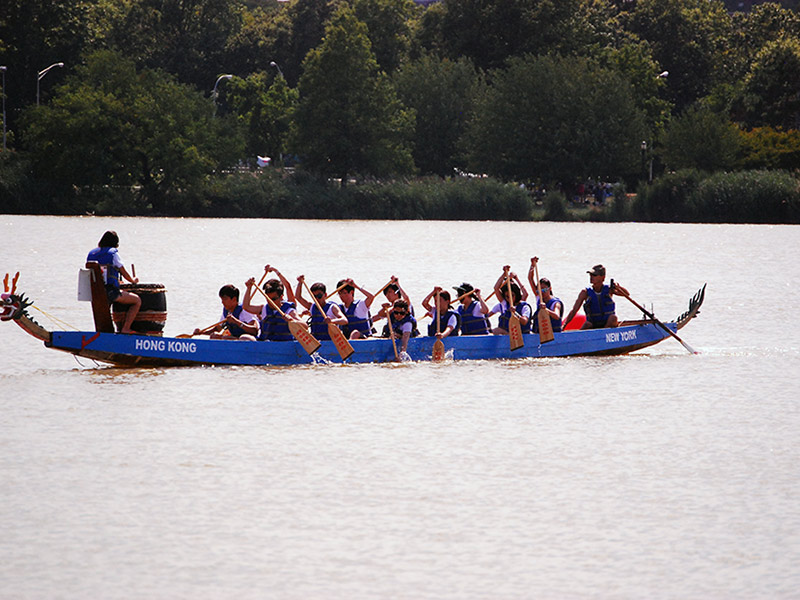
(156, 350)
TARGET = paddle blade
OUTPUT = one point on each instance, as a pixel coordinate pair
(438, 351)
(545, 327)
(343, 347)
(309, 343)
(515, 333)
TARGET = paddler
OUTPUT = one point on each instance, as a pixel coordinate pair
(403, 323)
(331, 313)
(516, 303)
(274, 325)
(359, 320)
(552, 305)
(473, 310)
(449, 322)
(107, 256)
(236, 323)
(597, 301)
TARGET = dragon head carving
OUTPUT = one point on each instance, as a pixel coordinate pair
(12, 305)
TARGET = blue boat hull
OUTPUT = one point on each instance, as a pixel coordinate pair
(138, 350)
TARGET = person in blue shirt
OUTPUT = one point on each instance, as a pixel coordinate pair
(107, 256)
(318, 321)
(274, 325)
(235, 323)
(597, 301)
(449, 319)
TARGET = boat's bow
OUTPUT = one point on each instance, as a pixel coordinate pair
(694, 307)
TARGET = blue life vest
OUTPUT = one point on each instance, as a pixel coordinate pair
(274, 327)
(364, 326)
(443, 319)
(319, 328)
(396, 325)
(598, 307)
(470, 324)
(234, 330)
(554, 323)
(105, 258)
(506, 315)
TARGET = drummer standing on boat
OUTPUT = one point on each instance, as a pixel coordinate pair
(597, 301)
(107, 256)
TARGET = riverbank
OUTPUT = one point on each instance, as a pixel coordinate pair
(686, 196)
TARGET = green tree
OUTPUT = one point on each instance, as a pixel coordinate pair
(555, 119)
(689, 39)
(295, 31)
(110, 125)
(187, 38)
(349, 119)
(770, 92)
(37, 33)
(489, 32)
(441, 92)
(701, 139)
(264, 111)
(389, 28)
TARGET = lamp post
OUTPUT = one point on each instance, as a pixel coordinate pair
(214, 93)
(3, 70)
(644, 152)
(275, 65)
(42, 73)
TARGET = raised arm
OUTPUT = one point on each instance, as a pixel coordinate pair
(523, 292)
(531, 281)
(581, 299)
(368, 297)
(426, 301)
(298, 293)
(498, 286)
(247, 301)
(286, 285)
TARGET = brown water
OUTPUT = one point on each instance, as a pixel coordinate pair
(656, 475)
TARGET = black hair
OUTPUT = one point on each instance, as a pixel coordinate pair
(346, 288)
(110, 239)
(319, 287)
(229, 290)
(273, 285)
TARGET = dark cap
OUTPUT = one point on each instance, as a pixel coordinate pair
(463, 288)
(597, 270)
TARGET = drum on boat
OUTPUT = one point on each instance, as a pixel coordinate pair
(153, 313)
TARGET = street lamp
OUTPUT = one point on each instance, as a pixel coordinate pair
(644, 152)
(275, 65)
(214, 93)
(42, 73)
(3, 70)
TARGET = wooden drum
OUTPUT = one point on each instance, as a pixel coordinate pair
(153, 313)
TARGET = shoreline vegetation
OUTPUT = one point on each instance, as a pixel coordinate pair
(585, 110)
(687, 196)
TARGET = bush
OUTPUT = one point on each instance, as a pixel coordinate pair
(668, 199)
(748, 197)
(555, 207)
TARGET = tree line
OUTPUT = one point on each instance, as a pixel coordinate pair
(163, 106)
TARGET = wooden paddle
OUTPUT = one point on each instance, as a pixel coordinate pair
(438, 345)
(391, 333)
(515, 340)
(545, 326)
(619, 291)
(204, 331)
(336, 291)
(309, 343)
(465, 294)
(343, 347)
